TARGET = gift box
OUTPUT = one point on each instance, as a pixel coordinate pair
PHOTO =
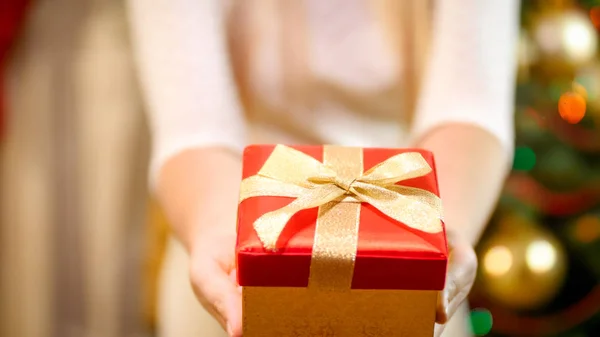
(339, 241)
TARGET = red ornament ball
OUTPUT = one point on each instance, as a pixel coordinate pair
(571, 107)
(595, 16)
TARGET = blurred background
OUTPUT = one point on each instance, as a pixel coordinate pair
(540, 257)
(81, 242)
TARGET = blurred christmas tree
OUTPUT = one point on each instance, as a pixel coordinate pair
(540, 258)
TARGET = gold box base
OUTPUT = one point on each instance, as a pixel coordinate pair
(302, 312)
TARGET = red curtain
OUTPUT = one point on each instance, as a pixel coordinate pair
(12, 13)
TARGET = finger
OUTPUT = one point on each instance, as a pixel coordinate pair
(442, 298)
(462, 269)
(459, 325)
(440, 311)
(219, 294)
(235, 330)
(438, 330)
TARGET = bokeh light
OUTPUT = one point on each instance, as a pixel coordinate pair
(571, 107)
(595, 16)
(570, 36)
(498, 260)
(589, 77)
(527, 51)
(524, 159)
(587, 229)
(580, 90)
(579, 39)
(481, 321)
(540, 256)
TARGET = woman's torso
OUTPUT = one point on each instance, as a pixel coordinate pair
(317, 71)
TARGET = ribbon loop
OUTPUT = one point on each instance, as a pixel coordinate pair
(400, 167)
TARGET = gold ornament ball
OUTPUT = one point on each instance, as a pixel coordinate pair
(568, 36)
(527, 50)
(527, 55)
(522, 266)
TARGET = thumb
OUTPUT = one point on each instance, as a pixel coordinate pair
(462, 269)
(219, 294)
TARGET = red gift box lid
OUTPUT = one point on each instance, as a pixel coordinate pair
(390, 254)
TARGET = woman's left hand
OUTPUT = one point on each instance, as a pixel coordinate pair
(462, 269)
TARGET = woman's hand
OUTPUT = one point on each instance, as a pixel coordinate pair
(199, 199)
(470, 174)
(201, 202)
(462, 269)
(213, 277)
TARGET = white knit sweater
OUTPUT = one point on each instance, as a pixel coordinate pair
(339, 81)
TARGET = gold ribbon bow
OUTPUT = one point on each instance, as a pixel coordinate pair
(338, 186)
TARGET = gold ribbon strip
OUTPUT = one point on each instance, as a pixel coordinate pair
(338, 186)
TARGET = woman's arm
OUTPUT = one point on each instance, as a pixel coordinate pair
(192, 104)
(465, 114)
(198, 134)
(471, 167)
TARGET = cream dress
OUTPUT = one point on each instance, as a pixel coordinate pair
(314, 71)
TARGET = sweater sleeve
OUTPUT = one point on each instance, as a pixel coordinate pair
(186, 77)
(471, 72)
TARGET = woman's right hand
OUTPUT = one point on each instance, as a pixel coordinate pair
(201, 201)
(213, 277)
